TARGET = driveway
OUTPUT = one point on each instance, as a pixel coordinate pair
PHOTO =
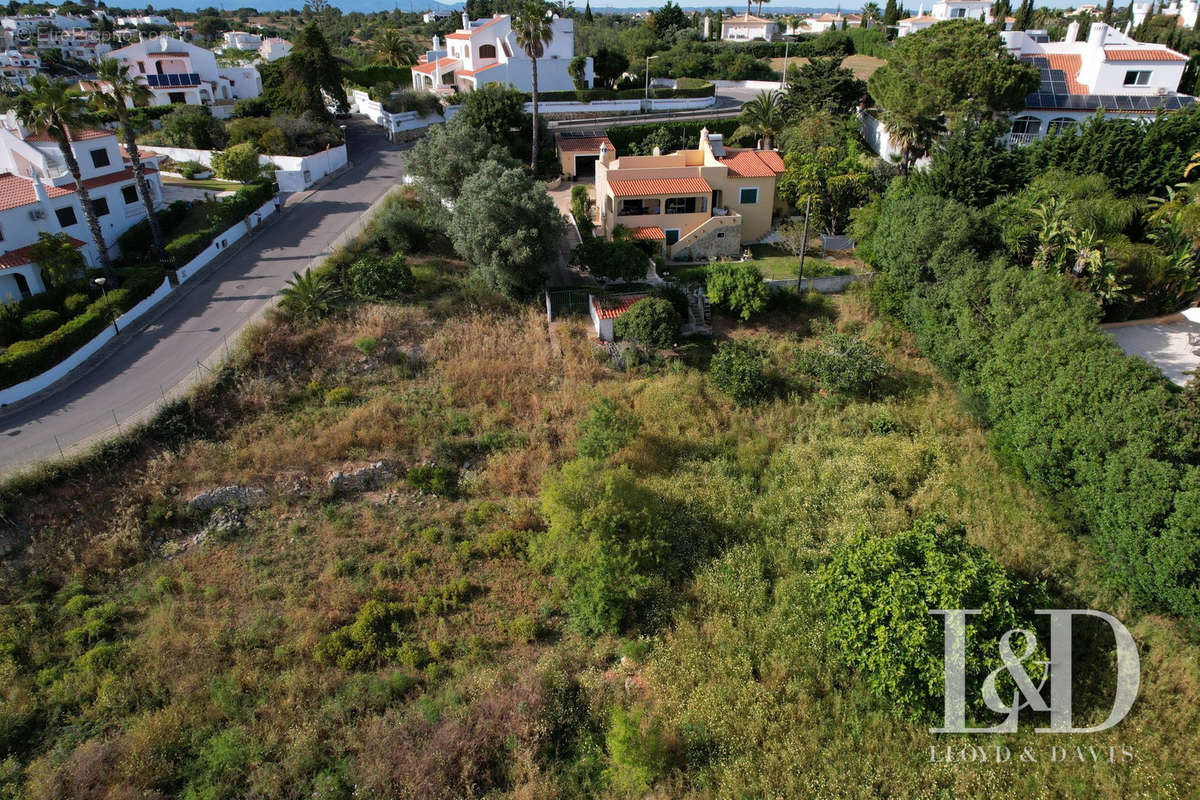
(162, 359)
(1170, 343)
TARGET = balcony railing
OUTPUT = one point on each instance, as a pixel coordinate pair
(1019, 139)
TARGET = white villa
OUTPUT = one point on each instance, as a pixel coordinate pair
(240, 40)
(37, 195)
(824, 22)
(179, 72)
(16, 67)
(486, 51)
(145, 19)
(1185, 11)
(273, 49)
(1109, 71)
(949, 9)
(746, 27)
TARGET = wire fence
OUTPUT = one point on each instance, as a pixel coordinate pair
(34, 441)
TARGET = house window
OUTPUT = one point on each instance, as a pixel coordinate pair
(720, 234)
(1137, 77)
(958, 13)
(505, 47)
(487, 51)
(1027, 126)
(681, 205)
(100, 157)
(142, 67)
(638, 206)
(100, 206)
(130, 194)
(66, 216)
(1060, 125)
(748, 195)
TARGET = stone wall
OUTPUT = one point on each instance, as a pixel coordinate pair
(710, 248)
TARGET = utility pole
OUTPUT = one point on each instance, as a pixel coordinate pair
(803, 244)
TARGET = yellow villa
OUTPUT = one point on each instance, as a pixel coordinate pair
(700, 204)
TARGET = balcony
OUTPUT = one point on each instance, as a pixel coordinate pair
(1020, 139)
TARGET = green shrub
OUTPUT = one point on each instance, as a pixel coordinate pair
(183, 249)
(844, 365)
(738, 286)
(75, 304)
(381, 278)
(375, 637)
(613, 260)
(878, 591)
(605, 430)
(608, 539)
(238, 163)
(739, 370)
(367, 345)
(190, 169)
(434, 479)
(403, 228)
(637, 752)
(339, 396)
(652, 322)
(37, 324)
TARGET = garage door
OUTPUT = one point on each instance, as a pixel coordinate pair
(585, 166)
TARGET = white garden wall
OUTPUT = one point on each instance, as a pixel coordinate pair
(294, 172)
(14, 394)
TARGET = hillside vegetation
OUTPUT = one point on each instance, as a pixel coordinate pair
(567, 579)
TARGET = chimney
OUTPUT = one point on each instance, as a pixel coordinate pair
(39, 191)
(1097, 34)
(466, 21)
(606, 154)
(1072, 32)
(437, 42)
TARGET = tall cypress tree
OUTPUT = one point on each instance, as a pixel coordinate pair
(587, 10)
(1108, 12)
(891, 13)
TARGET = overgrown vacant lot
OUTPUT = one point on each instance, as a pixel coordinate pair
(407, 638)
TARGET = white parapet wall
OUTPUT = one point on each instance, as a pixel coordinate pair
(632, 106)
(293, 173)
(25, 389)
(393, 123)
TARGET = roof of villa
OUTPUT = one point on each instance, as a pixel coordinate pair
(616, 306)
(583, 144)
(72, 135)
(656, 186)
(24, 255)
(16, 191)
(649, 233)
(753, 163)
(1142, 54)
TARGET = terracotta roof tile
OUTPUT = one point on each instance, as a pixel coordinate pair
(614, 307)
(466, 73)
(583, 144)
(441, 63)
(753, 163)
(649, 234)
(74, 136)
(1142, 54)
(656, 186)
(23, 255)
(1069, 64)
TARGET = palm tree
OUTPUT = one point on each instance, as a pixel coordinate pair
(763, 116)
(914, 133)
(760, 4)
(395, 50)
(870, 14)
(121, 87)
(533, 28)
(310, 296)
(51, 105)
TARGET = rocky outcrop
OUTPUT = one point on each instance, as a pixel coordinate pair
(363, 479)
(239, 496)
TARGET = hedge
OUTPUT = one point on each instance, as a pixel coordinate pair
(374, 74)
(28, 359)
(1105, 436)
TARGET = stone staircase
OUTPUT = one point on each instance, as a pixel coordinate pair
(682, 250)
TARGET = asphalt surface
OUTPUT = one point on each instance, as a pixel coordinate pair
(161, 360)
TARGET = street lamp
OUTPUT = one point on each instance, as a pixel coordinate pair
(101, 281)
(787, 42)
(648, 60)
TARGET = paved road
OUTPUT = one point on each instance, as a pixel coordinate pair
(1170, 343)
(163, 357)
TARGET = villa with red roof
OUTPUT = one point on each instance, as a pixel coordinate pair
(485, 51)
(698, 204)
(37, 195)
(181, 73)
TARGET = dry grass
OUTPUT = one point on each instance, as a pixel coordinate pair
(862, 66)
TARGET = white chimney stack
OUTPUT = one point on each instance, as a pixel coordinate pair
(1072, 32)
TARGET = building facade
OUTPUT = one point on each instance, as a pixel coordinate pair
(38, 195)
(486, 51)
(179, 72)
(747, 27)
(273, 49)
(947, 10)
(698, 204)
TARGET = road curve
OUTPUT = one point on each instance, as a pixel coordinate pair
(128, 384)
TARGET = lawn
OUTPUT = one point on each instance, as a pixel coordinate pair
(208, 184)
(774, 262)
(862, 66)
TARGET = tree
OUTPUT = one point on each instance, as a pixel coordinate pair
(959, 70)
(210, 27)
(121, 86)
(762, 116)
(1024, 17)
(651, 322)
(587, 11)
(497, 109)
(605, 430)
(395, 49)
(532, 26)
(739, 370)
(608, 65)
(447, 155)
(51, 105)
(878, 590)
(311, 71)
(823, 85)
(615, 260)
(193, 127)
(1108, 12)
(833, 176)
(667, 19)
(507, 227)
(870, 14)
(738, 286)
(578, 71)
(891, 14)
(914, 131)
(844, 364)
(238, 163)
(380, 278)
(59, 259)
(973, 166)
